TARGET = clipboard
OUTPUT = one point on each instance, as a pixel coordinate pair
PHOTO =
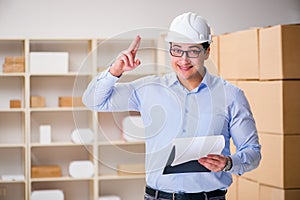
(185, 153)
(187, 167)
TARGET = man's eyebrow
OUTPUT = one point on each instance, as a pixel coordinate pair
(176, 45)
(190, 47)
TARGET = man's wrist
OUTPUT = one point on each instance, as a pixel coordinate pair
(228, 164)
(114, 72)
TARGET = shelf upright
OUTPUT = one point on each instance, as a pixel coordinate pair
(93, 53)
(27, 118)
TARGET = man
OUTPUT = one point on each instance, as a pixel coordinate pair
(189, 102)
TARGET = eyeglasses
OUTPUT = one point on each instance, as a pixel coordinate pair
(190, 53)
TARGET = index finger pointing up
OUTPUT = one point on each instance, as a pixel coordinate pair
(135, 44)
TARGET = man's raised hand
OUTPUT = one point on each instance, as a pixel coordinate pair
(126, 61)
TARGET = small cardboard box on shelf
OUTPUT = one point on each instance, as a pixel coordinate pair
(13, 68)
(37, 101)
(69, 101)
(45, 171)
(14, 64)
(15, 103)
(15, 59)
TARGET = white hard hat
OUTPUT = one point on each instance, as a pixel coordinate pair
(189, 28)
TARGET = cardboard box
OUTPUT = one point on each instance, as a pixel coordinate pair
(275, 105)
(13, 68)
(37, 101)
(247, 189)
(130, 169)
(232, 190)
(212, 63)
(279, 52)
(239, 55)
(15, 103)
(49, 62)
(45, 171)
(280, 162)
(272, 193)
(70, 101)
(15, 60)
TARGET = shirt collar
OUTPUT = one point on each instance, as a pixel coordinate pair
(204, 83)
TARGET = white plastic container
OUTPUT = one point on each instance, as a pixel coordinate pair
(110, 197)
(47, 195)
(82, 136)
(81, 169)
(49, 62)
(13, 177)
(45, 134)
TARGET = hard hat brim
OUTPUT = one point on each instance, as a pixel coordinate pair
(179, 38)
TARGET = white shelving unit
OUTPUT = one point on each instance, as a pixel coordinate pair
(20, 148)
(13, 141)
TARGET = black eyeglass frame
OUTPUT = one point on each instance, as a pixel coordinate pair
(186, 52)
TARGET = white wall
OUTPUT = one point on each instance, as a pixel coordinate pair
(99, 18)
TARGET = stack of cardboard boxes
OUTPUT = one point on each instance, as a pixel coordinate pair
(265, 64)
(14, 64)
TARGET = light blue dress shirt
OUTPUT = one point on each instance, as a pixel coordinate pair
(169, 110)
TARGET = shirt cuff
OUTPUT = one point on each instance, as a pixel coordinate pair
(236, 165)
(106, 75)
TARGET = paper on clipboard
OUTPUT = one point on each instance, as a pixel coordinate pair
(187, 149)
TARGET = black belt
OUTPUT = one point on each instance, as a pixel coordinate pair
(184, 196)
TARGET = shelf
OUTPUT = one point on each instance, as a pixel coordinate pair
(62, 109)
(59, 144)
(20, 127)
(117, 177)
(60, 179)
(66, 74)
(120, 142)
(12, 74)
(12, 145)
(12, 109)
(1, 181)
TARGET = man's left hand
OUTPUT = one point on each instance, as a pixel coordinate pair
(213, 162)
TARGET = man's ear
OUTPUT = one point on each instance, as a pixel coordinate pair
(207, 52)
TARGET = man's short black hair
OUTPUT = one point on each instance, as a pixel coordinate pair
(205, 45)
